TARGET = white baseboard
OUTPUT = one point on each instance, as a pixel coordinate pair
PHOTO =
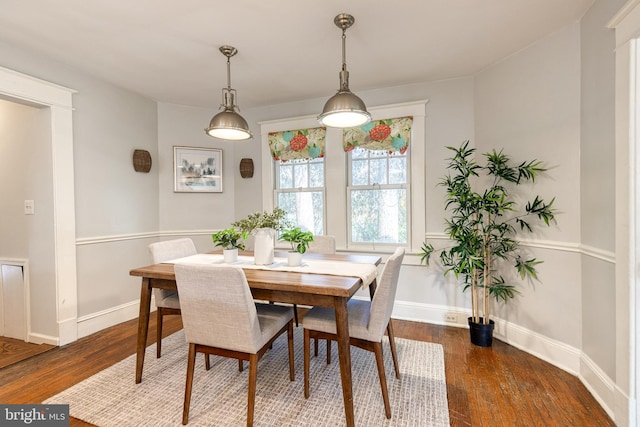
(559, 354)
(67, 331)
(624, 409)
(555, 352)
(599, 385)
(95, 322)
(42, 339)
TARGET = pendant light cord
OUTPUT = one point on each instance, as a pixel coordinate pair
(344, 49)
(344, 75)
(229, 72)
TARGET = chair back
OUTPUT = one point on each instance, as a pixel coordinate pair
(217, 307)
(167, 251)
(172, 249)
(322, 245)
(383, 299)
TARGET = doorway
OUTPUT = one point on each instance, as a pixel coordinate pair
(55, 322)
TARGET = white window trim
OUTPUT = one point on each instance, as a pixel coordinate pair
(336, 170)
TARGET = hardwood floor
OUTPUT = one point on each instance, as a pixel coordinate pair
(497, 386)
(13, 350)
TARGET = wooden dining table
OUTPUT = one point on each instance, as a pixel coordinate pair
(278, 286)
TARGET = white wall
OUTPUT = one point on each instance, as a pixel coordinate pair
(529, 105)
(184, 126)
(597, 182)
(111, 198)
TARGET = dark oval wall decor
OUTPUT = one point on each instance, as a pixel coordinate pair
(141, 161)
(246, 168)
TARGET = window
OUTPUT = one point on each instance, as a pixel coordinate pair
(300, 192)
(355, 190)
(299, 176)
(378, 202)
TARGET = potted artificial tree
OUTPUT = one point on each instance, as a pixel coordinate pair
(230, 240)
(264, 226)
(299, 243)
(485, 219)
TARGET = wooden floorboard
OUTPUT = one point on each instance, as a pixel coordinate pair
(496, 386)
(13, 350)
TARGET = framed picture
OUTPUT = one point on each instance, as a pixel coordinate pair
(197, 170)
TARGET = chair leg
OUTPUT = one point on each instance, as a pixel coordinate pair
(392, 344)
(307, 356)
(240, 365)
(328, 352)
(377, 349)
(207, 362)
(191, 362)
(295, 314)
(251, 400)
(315, 347)
(292, 372)
(158, 333)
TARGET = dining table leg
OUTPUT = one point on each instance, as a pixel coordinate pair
(344, 355)
(143, 326)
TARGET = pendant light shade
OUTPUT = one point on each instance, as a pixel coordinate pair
(228, 124)
(344, 109)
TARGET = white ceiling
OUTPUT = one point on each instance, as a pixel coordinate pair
(288, 49)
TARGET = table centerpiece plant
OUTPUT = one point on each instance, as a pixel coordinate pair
(264, 226)
(485, 220)
(299, 241)
(276, 220)
(230, 240)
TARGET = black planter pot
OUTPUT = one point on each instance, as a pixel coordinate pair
(481, 335)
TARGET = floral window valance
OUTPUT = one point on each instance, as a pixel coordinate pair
(297, 144)
(390, 134)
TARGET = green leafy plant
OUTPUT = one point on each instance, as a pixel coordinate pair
(299, 239)
(230, 238)
(484, 223)
(275, 219)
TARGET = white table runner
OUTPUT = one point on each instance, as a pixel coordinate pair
(366, 272)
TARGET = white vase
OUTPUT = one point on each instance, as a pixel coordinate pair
(294, 259)
(230, 255)
(263, 246)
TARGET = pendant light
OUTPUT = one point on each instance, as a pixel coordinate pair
(228, 124)
(344, 109)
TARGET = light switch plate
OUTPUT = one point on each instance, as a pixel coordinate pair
(29, 207)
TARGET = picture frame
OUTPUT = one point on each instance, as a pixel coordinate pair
(197, 170)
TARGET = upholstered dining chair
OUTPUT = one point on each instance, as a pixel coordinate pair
(367, 323)
(220, 317)
(320, 245)
(167, 301)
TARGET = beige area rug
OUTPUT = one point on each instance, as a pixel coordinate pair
(111, 397)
